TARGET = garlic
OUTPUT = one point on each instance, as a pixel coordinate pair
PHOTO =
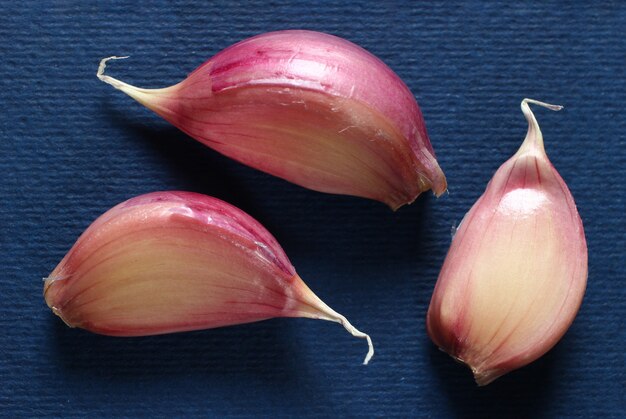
(177, 261)
(515, 274)
(308, 107)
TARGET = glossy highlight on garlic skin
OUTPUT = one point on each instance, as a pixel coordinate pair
(515, 274)
(177, 261)
(308, 107)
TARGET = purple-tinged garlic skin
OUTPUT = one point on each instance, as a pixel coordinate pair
(177, 261)
(311, 108)
(516, 272)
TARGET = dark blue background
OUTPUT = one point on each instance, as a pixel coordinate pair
(71, 147)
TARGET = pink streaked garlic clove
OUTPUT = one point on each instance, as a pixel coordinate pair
(309, 107)
(178, 261)
(515, 274)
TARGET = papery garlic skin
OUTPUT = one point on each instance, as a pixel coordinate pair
(309, 107)
(515, 274)
(178, 261)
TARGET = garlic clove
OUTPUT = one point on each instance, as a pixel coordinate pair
(178, 261)
(308, 107)
(516, 271)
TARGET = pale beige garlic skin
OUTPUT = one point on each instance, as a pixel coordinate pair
(178, 261)
(309, 107)
(515, 274)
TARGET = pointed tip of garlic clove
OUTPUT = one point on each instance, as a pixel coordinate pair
(526, 101)
(153, 99)
(534, 137)
(357, 333)
(311, 306)
(108, 79)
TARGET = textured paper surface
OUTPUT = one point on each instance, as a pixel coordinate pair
(71, 147)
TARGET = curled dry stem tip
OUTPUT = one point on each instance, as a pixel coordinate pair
(144, 96)
(526, 101)
(108, 79)
(314, 308)
(357, 333)
(534, 137)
